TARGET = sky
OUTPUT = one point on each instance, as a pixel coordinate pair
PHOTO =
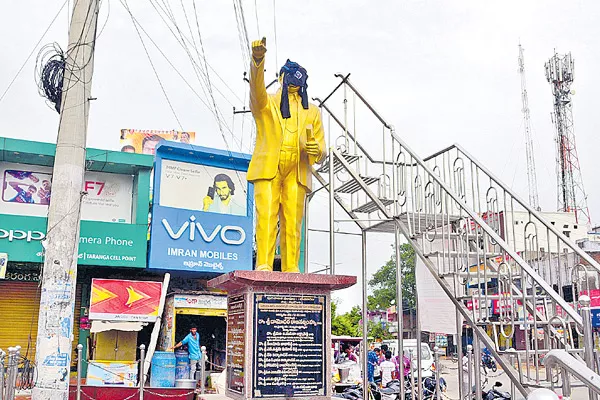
(441, 72)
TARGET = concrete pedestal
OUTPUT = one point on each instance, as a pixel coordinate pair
(279, 333)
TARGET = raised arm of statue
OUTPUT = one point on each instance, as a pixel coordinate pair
(258, 92)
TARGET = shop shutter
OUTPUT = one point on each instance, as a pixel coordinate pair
(19, 309)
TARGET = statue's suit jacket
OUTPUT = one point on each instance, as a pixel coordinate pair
(269, 131)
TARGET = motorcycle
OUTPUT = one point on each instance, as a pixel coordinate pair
(494, 393)
(488, 362)
(429, 387)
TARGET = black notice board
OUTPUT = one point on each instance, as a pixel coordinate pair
(236, 343)
(290, 345)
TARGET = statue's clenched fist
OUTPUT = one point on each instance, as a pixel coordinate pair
(259, 48)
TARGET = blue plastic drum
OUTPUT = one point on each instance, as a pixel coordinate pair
(182, 361)
(162, 373)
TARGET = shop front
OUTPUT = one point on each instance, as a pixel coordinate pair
(114, 214)
(207, 312)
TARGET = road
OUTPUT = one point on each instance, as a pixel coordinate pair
(449, 372)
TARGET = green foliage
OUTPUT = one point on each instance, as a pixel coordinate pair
(377, 331)
(383, 283)
(345, 324)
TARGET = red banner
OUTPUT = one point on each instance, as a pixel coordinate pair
(121, 300)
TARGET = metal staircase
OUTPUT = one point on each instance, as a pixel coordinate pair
(466, 226)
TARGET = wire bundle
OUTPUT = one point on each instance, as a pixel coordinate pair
(50, 70)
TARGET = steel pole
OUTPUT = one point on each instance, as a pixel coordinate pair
(399, 309)
(2, 365)
(79, 353)
(62, 238)
(331, 214)
(142, 376)
(470, 371)
(588, 339)
(365, 358)
(436, 355)
(12, 373)
(202, 369)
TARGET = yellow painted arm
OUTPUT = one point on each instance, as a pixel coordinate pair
(258, 92)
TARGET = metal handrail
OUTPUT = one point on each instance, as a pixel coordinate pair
(472, 214)
(521, 202)
(562, 359)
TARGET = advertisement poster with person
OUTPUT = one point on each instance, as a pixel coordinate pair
(27, 190)
(26, 186)
(202, 210)
(206, 188)
(145, 141)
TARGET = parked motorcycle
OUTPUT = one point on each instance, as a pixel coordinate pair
(488, 362)
(494, 393)
(429, 387)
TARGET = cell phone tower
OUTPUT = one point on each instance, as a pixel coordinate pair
(571, 194)
(531, 174)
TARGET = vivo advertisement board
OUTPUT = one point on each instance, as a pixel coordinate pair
(202, 212)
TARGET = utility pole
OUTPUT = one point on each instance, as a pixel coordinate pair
(531, 174)
(571, 194)
(57, 302)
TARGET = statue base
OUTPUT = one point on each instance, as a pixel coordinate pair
(279, 333)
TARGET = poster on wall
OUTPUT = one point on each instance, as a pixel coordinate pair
(203, 188)
(124, 300)
(145, 141)
(202, 212)
(27, 190)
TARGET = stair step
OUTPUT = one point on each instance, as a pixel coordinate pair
(372, 206)
(353, 186)
(460, 254)
(337, 165)
(413, 219)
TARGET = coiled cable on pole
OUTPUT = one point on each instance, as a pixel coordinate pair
(49, 73)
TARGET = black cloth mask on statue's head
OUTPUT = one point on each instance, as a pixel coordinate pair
(293, 74)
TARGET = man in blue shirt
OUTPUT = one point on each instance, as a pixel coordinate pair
(192, 340)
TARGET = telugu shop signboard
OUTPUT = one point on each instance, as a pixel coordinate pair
(202, 214)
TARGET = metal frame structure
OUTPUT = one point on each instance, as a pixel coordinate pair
(560, 71)
(531, 174)
(455, 214)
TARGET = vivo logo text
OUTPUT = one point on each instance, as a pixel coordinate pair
(192, 227)
(17, 234)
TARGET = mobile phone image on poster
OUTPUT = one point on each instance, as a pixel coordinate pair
(26, 187)
(203, 188)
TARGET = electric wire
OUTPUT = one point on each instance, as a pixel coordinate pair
(205, 81)
(33, 50)
(50, 69)
(275, 34)
(256, 15)
(124, 2)
(202, 100)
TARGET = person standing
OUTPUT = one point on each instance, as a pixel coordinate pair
(387, 369)
(373, 361)
(192, 340)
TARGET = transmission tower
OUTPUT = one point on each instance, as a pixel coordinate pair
(531, 175)
(571, 194)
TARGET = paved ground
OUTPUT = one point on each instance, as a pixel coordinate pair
(449, 372)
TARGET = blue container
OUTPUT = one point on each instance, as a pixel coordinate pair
(162, 373)
(182, 361)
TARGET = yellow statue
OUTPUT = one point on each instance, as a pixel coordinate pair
(289, 138)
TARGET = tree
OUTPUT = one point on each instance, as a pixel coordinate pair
(383, 282)
(347, 324)
(377, 330)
